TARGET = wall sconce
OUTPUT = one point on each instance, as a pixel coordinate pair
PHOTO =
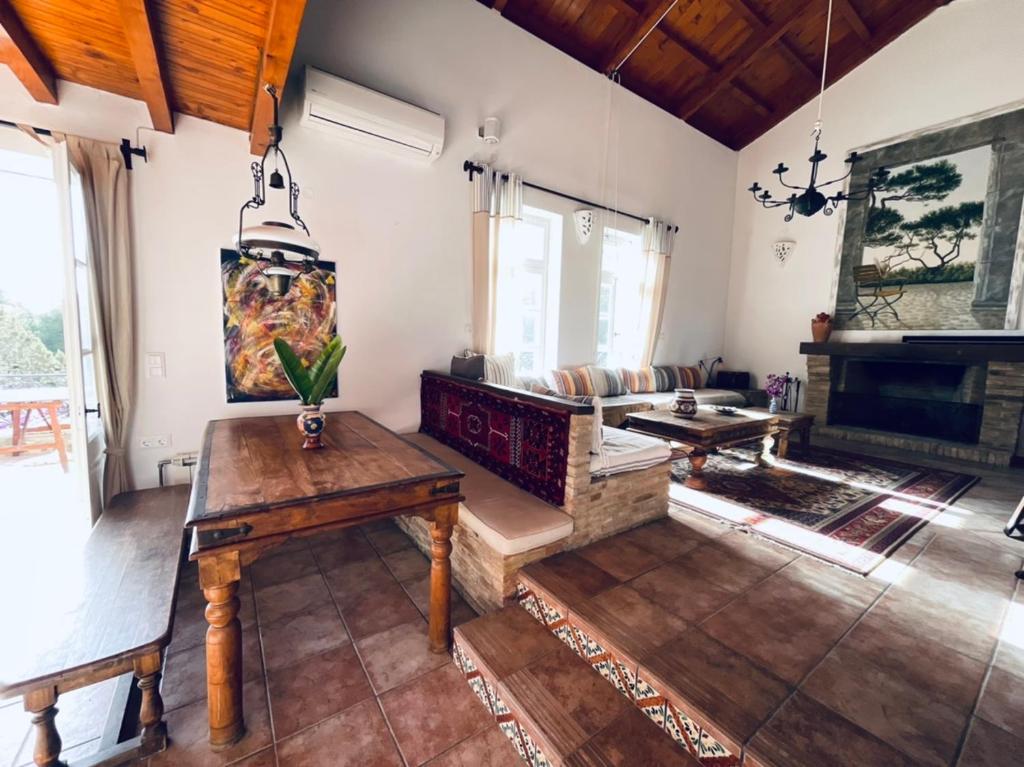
(782, 250)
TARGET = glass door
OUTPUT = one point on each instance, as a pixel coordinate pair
(86, 424)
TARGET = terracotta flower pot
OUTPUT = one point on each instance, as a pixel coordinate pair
(311, 425)
(820, 331)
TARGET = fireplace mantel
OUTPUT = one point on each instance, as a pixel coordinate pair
(925, 352)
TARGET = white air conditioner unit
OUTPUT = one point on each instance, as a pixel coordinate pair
(365, 117)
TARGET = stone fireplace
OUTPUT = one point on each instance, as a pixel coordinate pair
(962, 400)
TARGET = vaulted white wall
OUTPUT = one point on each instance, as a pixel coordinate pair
(965, 58)
(400, 233)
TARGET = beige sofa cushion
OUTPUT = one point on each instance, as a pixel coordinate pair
(628, 451)
(509, 519)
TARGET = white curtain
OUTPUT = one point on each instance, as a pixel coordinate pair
(105, 192)
(497, 202)
(657, 249)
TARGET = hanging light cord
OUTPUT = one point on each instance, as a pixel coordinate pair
(824, 68)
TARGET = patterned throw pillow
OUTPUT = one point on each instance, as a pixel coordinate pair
(572, 383)
(640, 381)
(666, 378)
(500, 369)
(689, 377)
(606, 382)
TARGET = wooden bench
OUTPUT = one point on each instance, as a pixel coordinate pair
(112, 614)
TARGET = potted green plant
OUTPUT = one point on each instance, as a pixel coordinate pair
(311, 383)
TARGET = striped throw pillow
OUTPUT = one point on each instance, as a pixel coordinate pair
(500, 369)
(689, 377)
(571, 383)
(640, 381)
(666, 378)
(606, 382)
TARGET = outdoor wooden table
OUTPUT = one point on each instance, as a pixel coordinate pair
(257, 487)
(707, 432)
(47, 401)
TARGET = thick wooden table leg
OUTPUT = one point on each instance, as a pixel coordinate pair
(218, 577)
(42, 705)
(151, 711)
(440, 630)
(783, 444)
(695, 480)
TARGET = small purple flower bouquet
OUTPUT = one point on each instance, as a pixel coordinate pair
(776, 385)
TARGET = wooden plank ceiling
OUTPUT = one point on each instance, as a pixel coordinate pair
(730, 68)
(205, 58)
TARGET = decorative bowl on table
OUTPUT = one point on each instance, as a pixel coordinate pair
(725, 410)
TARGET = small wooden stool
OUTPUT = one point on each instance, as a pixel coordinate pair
(790, 423)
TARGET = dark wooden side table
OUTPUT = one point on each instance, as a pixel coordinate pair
(791, 423)
(257, 487)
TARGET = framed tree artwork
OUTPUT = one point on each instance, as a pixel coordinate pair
(938, 245)
(306, 317)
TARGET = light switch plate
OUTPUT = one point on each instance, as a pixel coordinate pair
(162, 440)
(155, 366)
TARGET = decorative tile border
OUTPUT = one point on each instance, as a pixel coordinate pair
(684, 730)
(506, 720)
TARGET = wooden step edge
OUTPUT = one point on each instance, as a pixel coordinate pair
(529, 731)
(667, 708)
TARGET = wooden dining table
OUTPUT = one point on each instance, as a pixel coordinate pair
(256, 488)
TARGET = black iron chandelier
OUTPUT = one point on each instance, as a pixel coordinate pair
(276, 247)
(810, 199)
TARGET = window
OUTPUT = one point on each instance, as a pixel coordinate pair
(620, 325)
(529, 269)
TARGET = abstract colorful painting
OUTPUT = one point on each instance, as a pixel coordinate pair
(306, 317)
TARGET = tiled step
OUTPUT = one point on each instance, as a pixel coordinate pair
(709, 699)
(549, 702)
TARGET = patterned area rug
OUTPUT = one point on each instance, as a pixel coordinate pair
(852, 510)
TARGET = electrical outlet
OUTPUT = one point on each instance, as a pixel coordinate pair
(164, 440)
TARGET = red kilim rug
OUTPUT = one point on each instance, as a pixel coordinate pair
(852, 510)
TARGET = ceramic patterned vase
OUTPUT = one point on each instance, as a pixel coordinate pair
(311, 424)
(685, 404)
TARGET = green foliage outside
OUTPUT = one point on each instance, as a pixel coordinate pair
(23, 352)
(924, 275)
(49, 326)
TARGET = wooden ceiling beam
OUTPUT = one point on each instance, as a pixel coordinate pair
(739, 61)
(759, 24)
(25, 59)
(642, 25)
(137, 18)
(282, 32)
(854, 19)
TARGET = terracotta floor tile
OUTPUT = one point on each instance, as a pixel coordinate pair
(291, 597)
(1010, 653)
(625, 621)
(489, 748)
(568, 579)
(72, 754)
(783, 626)
(724, 563)
(422, 726)
(189, 733)
(938, 671)
(561, 701)
(407, 564)
(349, 582)
(397, 655)
(620, 557)
(264, 758)
(945, 624)
(507, 640)
(1002, 700)
(418, 590)
(889, 706)
(357, 737)
(315, 688)
(294, 637)
(15, 724)
(721, 689)
(681, 592)
(665, 538)
(833, 582)
(184, 679)
(629, 741)
(388, 540)
(991, 746)
(807, 734)
(342, 548)
(973, 587)
(283, 567)
(374, 611)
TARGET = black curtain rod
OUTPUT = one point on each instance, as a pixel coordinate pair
(470, 167)
(127, 150)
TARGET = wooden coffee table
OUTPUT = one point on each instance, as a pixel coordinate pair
(789, 424)
(707, 432)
